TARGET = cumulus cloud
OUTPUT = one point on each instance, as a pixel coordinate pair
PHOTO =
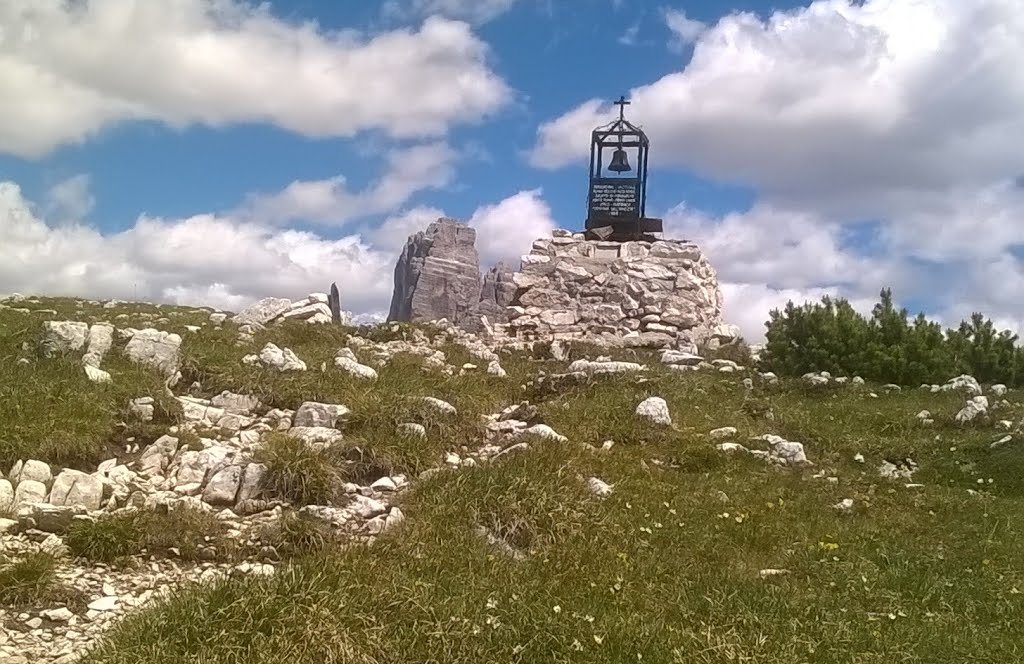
(69, 70)
(846, 106)
(70, 199)
(505, 231)
(684, 29)
(222, 260)
(329, 201)
(474, 11)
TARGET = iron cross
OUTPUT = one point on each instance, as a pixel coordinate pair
(622, 103)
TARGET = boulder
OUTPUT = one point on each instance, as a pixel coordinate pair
(262, 312)
(314, 414)
(63, 337)
(155, 349)
(74, 488)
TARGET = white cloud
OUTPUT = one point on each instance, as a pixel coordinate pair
(70, 199)
(70, 70)
(840, 105)
(228, 261)
(391, 234)
(685, 30)
(329, 201)
(474, 11)
(505, 231)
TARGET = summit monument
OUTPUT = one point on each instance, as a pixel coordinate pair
(616, 283)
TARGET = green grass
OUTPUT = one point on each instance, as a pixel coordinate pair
(29, 579)
(116, 537)
(665, 569)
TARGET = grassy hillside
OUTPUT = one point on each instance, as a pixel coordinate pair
(696, 555)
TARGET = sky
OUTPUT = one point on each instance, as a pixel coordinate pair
(213, 152)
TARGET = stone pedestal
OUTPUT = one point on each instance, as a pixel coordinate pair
(661, 294)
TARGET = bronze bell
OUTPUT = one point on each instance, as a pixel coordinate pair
(619, 162)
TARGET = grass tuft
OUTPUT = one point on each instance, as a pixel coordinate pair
(27, 580)
(297, 472)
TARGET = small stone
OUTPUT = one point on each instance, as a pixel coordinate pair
(109, 603)
(599, 487)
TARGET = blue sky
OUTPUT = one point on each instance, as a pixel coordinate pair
(811, 148)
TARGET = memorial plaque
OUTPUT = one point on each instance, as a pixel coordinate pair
(615, 197)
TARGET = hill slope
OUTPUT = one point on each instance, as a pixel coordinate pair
(570, 528)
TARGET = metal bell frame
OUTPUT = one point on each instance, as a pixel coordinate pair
(620, 134)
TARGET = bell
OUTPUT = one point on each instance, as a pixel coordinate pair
(619, 162)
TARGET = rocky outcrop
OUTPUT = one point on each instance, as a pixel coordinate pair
(661, 294)
(437, 275)
(497, 293)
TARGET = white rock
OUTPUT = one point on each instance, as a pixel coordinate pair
(156, 349)
(6, 496)
(101, 338)
(72, 487)
(654, 409)
(544, 432)
(96, 375)
(263, 311)
(32, 470)
(367, 508)
(104, 604)
(607, 367)
(63, 337)
(998, 390)
(315, 414)
(280, 359)
(439, 405)
(722, 432)
(218, 318)
(60, 615)
(384, 484)
(354, 368)
(599, 487)
(731, 447)
(845, 505)
(494, 369)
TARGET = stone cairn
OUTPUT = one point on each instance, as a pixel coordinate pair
(660, 294)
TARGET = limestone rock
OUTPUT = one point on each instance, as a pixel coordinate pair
(314, 414)
(223, 486)
(63, 337)
(101, 338)
(6, 497)
(437, 275)
(280, 359)
(156, 349)
(262, 312)
(75, 488)
(654, 409)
